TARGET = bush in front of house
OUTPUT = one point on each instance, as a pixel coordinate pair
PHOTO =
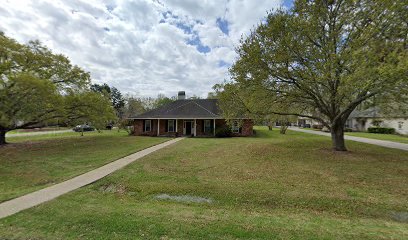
(317, 126)
(348, 129)
(382, 130)
(222, 132)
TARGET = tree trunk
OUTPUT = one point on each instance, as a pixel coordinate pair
(283, 128)
(2, 137)
(337, 134)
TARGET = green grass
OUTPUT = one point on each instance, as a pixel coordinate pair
(387, 137)
(271, 186)
(33, 162)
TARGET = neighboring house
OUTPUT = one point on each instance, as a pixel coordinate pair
(361, 120)
(187, 117)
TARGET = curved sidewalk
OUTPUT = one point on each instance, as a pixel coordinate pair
(383, 143)
(8, 135)
(35, 198)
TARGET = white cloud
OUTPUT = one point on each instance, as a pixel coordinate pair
(141, 47)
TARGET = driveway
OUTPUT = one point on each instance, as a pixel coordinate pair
(35, 198)
(383, 143)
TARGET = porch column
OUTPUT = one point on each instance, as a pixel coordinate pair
(176, 126)
(214, 127)
(158, 127)
(195, 128)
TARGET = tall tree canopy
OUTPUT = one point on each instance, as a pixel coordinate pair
(321, 59)
(118, 101)
(37, 86)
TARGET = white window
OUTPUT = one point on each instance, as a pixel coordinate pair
(235, 126)
(148, 125)
(170, 125)
(207, 126)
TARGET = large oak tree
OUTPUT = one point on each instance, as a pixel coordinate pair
(38, 86)
(320, 60)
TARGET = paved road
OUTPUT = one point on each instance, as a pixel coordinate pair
(383, 143)
(35, 198)
(37, 133)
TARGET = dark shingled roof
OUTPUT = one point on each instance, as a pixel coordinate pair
(189, 108)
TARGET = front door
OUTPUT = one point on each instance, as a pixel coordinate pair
(188, 127)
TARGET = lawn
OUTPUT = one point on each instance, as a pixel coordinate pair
(271, 186)
(387, 137)
(33, 162)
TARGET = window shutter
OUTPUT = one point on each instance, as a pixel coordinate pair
(144, 123)
(166, 126)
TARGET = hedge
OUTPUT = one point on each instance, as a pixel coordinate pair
(222, 132)
(381, 130)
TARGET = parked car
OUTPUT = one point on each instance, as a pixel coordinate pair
(83, 128)
(109, 127)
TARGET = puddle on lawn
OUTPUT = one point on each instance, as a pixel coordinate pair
(400, 216)
(183, 198)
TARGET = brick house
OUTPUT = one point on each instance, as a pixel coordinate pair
(187, 117)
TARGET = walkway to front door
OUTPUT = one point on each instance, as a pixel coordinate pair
(32, 199)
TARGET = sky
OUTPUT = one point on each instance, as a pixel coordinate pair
(142, 47)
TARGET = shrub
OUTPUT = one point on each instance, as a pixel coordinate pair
(382, 130)
(348, 130)
(223, 132)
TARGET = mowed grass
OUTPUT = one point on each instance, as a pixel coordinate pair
(271, 186)
(387, 137)
(32, 162)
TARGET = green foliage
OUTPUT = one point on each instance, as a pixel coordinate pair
(27, 100)
(37, 86)
(89, 107)
(133, 106)
(162, 100)
(222, 132)
(116, 97)
(382, 130)
(212, 95)
(321, 60)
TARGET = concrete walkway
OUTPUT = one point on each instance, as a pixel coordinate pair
(383, 143)
(32, 199)
(37, 133)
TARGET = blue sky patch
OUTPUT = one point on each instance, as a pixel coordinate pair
(223, 25)
(288, 3)
(222, 63)
(184, 27)
(200, 47)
